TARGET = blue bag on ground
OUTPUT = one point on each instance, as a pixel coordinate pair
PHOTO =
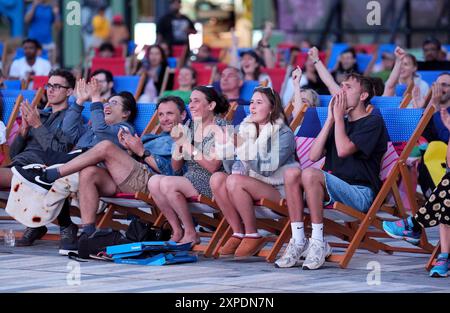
(151, 253)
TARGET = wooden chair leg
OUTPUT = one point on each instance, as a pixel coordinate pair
(433, 256)
(107, 218)
(282, 238)
(218, 234)
(222, 241)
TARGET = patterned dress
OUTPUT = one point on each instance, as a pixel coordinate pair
(437, 209)
(196, 174)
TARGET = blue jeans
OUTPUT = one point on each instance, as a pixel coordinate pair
(355, 196)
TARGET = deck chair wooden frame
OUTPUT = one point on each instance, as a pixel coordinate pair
(432, 260)
(356, 232)
(407, 95)
(360, 233)
(140, 87)
(12, 118)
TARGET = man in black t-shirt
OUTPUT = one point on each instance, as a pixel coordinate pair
(174, 27)
(353, 147)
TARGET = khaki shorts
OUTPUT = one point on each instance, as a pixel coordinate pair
(137, 180)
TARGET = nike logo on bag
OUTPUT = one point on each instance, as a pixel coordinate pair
(37, 179)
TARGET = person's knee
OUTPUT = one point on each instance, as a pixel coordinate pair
(311, 177)
(166, 186)
(89, 174)
(234, 183)
(105, 148)
(154, 184)
(217, 181)
(292, 176)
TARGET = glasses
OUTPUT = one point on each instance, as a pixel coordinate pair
(56, 87)
(265, 88)
(111, 103)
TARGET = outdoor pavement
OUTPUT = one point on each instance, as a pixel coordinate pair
(40, 269)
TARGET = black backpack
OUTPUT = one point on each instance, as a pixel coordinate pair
(98, 241)
(139, 231)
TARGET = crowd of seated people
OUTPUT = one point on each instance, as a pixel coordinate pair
(205, 158)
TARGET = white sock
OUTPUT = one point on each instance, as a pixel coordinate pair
(298, 231)
(254, 235)
(238, 235)
(317, 231)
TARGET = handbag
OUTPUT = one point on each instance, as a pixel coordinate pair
(139, 231)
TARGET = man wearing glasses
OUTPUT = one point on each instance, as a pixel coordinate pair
(41, 129)
(106, 81)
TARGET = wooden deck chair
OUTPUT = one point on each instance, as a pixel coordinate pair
(359, 233)
(169, 71)
(355, 228)
(134, 84)
(207, 214)
(432, 260)
(407, 96)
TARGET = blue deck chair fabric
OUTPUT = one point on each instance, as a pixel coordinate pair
(336, 50)
(241, 112)
(8, 106)
(172, 62)
(324, 100)
(13, 84)
(247, 89)
(401, 123)
(400, 90)
(386, 47)
(145, 112)
(363, 60)
(27, 94)
(126, 83)
(429, 76)
(386, 102)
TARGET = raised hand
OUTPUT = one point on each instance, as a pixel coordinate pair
(82, 91)
(268, 27)
(330, 116)
(436, 95)
(297, 76)
(340, 105)
(31, 115)
(399, 53)
(313, 54)
(95, 90)
(417, 99)
(24, 127)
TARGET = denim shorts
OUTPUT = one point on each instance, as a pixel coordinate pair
(355, 196)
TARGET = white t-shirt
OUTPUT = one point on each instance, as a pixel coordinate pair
(20, 68)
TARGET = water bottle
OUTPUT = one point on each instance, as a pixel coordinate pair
(239, 168)
(10, 238)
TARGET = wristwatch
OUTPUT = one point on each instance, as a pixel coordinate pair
(146, 154)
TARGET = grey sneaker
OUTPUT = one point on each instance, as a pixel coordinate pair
(293, 254)
(317, 253)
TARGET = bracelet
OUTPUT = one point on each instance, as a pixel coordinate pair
(314, 62)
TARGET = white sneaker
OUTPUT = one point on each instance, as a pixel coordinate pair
(318, 251)
(293, 254)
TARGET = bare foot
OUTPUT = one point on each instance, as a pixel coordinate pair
(194, 239)
(176, 236)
